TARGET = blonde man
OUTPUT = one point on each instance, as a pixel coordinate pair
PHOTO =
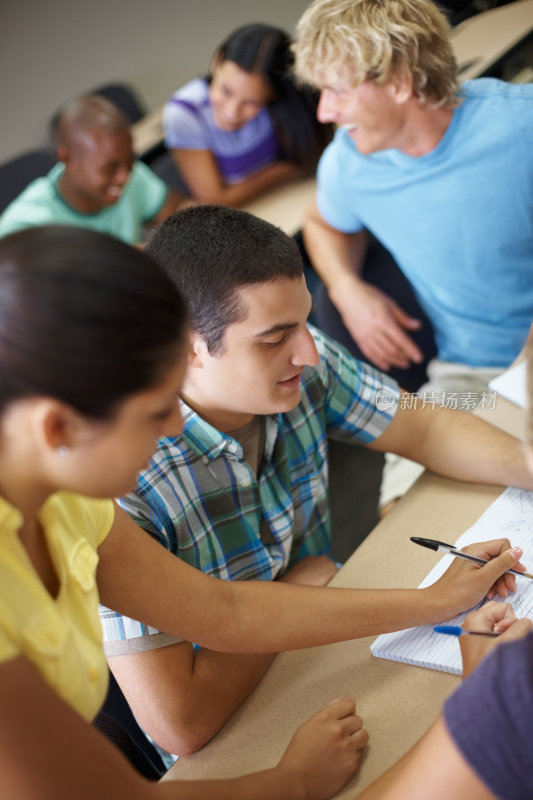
(441, 176)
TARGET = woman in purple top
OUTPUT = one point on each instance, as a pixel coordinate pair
(247, 126)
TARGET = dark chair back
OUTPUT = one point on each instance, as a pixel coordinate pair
(164, 167)
(119, 94)
(117, 722)
(124, 98)
(18, 172)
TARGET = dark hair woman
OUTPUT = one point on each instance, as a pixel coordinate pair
(248, 126)
(92, 355)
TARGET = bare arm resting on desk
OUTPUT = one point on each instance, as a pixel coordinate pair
(182, 696)
(456, 444)
(206, 184)
(48, 752)
(378, 325)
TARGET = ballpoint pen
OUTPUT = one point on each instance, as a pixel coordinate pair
(455, 630)
(442, 547)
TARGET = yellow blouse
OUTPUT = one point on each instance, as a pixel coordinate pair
(61, 636)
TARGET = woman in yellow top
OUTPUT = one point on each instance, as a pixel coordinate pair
(92, 355)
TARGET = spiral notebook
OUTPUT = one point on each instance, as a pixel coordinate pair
(511, 516)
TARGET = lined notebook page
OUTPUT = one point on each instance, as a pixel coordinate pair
(511, 516)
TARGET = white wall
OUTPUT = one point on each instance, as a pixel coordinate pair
(51, 50)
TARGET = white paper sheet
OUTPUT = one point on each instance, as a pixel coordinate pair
(511, 516)
(511, 384)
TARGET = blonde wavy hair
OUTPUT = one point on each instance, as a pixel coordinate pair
(378, 40)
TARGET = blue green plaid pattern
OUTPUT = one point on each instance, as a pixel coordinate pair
(201, 501)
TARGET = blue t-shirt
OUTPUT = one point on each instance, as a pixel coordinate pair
(490, 719)
(458, 220)
(189, 124)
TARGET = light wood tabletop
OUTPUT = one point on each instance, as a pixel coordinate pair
(285, 206)
(484, 39)
(147, 133)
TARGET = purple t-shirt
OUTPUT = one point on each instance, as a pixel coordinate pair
(189, 124)
(490, 719)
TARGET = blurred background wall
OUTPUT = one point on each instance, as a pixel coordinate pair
(51, 50)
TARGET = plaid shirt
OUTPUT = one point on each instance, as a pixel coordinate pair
(201, 501)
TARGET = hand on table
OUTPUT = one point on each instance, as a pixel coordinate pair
(326, 751)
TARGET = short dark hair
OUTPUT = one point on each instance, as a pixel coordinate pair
(84, 318)
(87, 112)
(209, 252)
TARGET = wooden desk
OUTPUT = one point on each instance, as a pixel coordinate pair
(147, 133)
(481, 41)
(397, 702)
(286, 205)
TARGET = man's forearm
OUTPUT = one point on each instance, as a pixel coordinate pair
(456, 444)
(182, 697)
(467, 448)
(337, 257)
(219, 684)
(195, 692)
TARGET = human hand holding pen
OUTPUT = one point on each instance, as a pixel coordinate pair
(450, 549)
(492, 617)
(489, 550)
(465, 584)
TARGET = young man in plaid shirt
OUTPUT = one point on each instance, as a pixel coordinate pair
(242, 493)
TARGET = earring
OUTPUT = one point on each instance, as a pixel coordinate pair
(63, 450)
